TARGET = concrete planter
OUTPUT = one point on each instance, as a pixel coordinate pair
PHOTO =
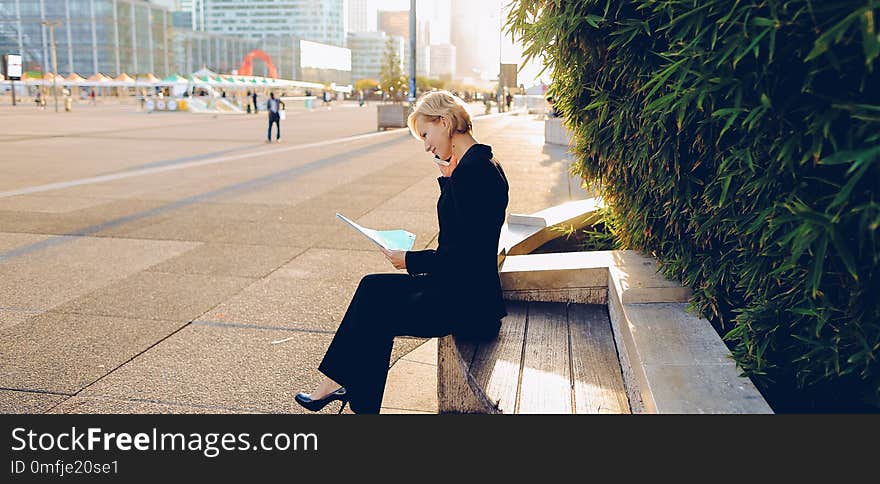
(392, 115)
(555, 132)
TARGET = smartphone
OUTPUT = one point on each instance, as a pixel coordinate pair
(440, 161)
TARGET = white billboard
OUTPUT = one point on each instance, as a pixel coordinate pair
(13, 66)
(323, 56)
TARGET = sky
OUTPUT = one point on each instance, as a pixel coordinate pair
(509, 51)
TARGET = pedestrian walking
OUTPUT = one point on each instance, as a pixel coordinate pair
(92, 97)
(454, 289)
(274, 106)
(254, 96)
(508, 100)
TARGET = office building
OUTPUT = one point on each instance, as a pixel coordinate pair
(361, 16)
(314, 20)
(368, 53)
(441, 64)
(108, 36)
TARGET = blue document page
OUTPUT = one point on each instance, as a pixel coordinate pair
(389, 239)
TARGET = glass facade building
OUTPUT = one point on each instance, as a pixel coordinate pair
(315, 20)
(107, 36)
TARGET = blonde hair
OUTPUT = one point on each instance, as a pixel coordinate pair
(435, 105)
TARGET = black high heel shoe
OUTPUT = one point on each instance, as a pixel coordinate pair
(314, 405)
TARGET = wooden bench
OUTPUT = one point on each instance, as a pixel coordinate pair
(548, 358)
(591, 332)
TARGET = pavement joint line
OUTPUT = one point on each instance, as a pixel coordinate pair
(23, 310)
(404, 358)
(409, 409)
(160, 402)
(32, 390)
(210, 161)
(224, 324)
(253, 184)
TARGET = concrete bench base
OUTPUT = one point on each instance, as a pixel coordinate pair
(671, 361)
(555, 132)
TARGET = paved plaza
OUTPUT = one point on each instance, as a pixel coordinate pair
(177, 263)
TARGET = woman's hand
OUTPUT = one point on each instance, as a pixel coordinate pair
(446, 170)
(396, 257)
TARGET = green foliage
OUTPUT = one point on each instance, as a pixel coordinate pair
(738, 141)
(393, 80)
(365, 84)
(599, 235)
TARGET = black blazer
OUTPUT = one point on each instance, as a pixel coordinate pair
(471, 211)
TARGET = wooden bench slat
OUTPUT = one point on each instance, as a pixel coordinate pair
(598, 383)
(496, 364)
(546, 375)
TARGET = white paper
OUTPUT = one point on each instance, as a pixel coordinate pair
(387, 239)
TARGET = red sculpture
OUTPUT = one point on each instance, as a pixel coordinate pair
(247, 65)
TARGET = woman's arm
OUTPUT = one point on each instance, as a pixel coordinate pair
(474, 199)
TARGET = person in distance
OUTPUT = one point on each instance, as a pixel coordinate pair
(454, 289)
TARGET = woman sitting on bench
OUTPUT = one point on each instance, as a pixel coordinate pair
(454, 289)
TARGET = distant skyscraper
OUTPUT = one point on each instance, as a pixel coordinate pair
(396, 24)
(313, 20)
(361, 16)
(442, 61)
(368, 53)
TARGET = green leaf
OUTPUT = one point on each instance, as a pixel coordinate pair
(594, 20)
(870, 39)
(818, 267)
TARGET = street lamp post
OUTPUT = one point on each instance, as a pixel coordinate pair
(52, 26)
(412, 50)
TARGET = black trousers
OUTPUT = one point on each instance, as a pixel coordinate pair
(384, 306)
(274, 118)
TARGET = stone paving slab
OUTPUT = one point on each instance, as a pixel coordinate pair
(288, 302)
(12, 401)
(421, 197)
(9, 241)
(13, 317)
(425, 354)
(276, 234)
(253, 261)
(153, 295)
(185, 228)
(37, 356)
(48, 277)
(335, 264)
(321, 212)
(406, 384)
(40, 223)
(93, 405)
(231, 211)
(44, 204)
(228, 368)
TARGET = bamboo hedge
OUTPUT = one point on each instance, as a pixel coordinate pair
(739, 142)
